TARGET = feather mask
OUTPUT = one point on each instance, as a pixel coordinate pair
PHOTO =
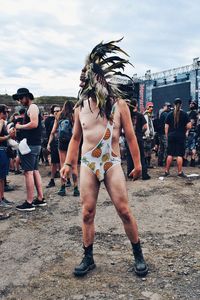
(98, 76)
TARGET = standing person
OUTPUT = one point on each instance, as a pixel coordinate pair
(162, 152)
(19, 137)
(149, 133)
(140, 126)
(4, 160)
(191, 135)
(99, 118)
(55, 160)
(176, 124)
(32, 132)
(63, 124)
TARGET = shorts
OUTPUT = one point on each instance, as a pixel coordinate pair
(191, 142)
(63, 145)
(30, 161)
(4, 163)
(54, 153)
(176, 146)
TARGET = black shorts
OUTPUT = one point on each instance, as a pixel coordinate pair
(54, 152)
(63, 145)
(176, 146)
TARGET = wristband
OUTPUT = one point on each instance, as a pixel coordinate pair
(66, 164)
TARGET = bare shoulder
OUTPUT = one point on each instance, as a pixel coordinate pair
(122, 106)
(33, 108)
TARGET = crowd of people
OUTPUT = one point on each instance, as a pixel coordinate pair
(171, 133)
(94, 125)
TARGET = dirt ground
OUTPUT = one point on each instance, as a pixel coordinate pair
(40, 249)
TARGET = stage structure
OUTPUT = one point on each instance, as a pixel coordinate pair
(161, 87)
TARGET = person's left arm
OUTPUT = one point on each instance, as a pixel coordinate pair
(130, 138)
(34, 118)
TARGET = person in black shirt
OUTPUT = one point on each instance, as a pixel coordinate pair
(162, 152)
(32, 132)
(176, 124)
(191, 135)
(4, 160)
(49, 122)
(139, 125)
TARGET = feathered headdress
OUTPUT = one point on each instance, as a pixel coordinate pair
(99, 73)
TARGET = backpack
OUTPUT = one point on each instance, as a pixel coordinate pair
(64, 130)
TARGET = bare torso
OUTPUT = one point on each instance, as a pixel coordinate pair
(93, 127)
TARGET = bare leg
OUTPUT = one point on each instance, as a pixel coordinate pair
(179, 164)
(168, 163)
(29, 181)
(89, 189)
(17, 163)
(38, 184)
(1, 188)
(116, 187)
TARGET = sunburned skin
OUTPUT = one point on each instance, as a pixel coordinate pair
(93, 127)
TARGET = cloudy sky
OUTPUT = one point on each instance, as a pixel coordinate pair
(44, 42)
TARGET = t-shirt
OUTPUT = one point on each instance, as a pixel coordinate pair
(163, 117)
(180, 130)
(138, 121)
(19, 133)
(49, 125)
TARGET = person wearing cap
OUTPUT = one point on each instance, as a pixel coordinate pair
(149, 133)
(32, 131)
(162, 151)
(176, 125)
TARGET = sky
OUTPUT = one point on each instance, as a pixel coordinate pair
(43, 44)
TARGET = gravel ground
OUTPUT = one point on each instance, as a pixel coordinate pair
(40, 249)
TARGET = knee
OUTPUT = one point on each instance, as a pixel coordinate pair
(125, 214)
(88, 216)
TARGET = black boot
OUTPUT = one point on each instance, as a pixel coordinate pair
(140, 267)
(87, 262)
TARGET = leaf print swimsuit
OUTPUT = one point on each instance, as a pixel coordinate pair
(101, 158)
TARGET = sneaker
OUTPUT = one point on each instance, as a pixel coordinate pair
(7, 202)
(18, 172)
(4, 216)
(50, 184)
(146, 177)
(166, 174)
(62, 192)
(76, 192)
(182, 175)
(4, 205)
(25, 207)
(39, 203)
(8, 188)
(68, 183)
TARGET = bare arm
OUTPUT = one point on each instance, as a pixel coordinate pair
(144, 128)
(53, 131)
(166, 130)
(130, 137)
(189, 125)
(34, 118)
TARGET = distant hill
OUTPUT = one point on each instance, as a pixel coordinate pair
(49, 100)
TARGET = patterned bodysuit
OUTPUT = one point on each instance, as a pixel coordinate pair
(101, 158)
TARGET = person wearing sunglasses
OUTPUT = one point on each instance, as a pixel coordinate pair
(4, 160)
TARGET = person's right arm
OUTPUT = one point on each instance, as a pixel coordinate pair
(73, 149)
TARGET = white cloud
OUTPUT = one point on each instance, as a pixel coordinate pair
(44, 43)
